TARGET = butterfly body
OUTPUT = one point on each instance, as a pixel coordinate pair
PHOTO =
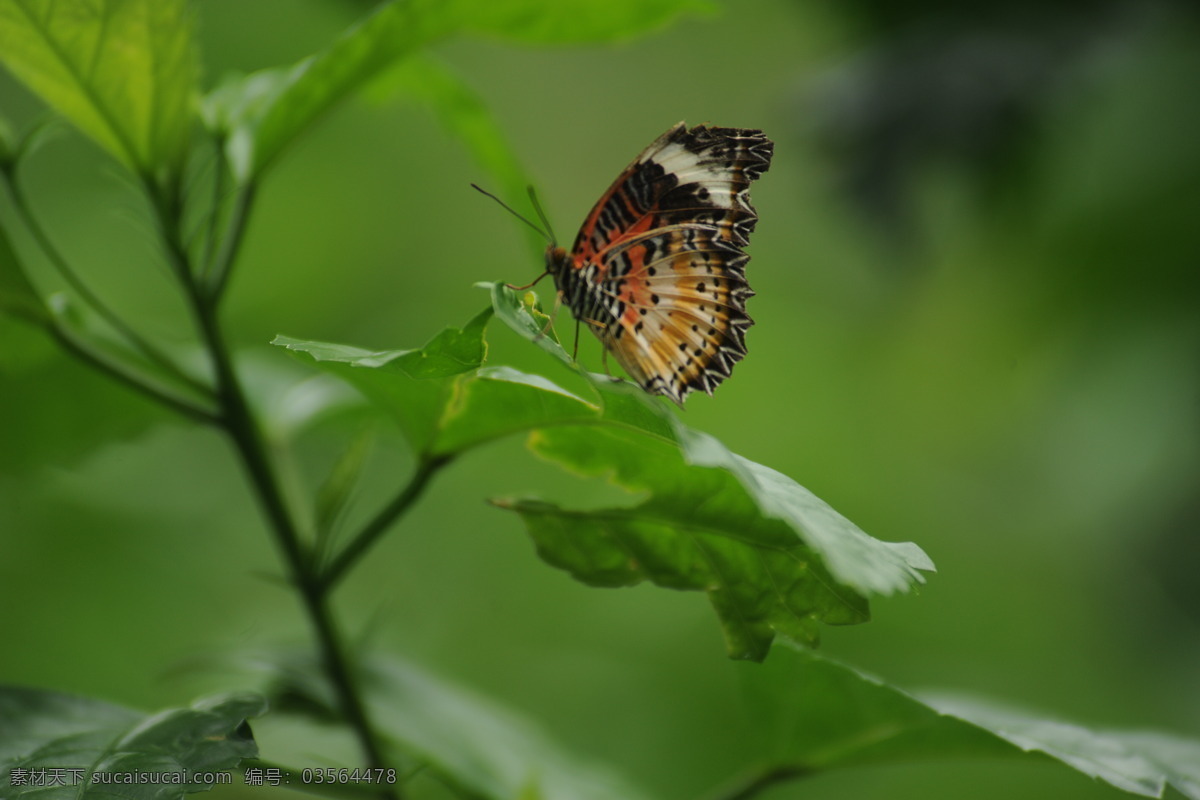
(657, 271)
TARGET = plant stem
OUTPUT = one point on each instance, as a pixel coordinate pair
(238, 421)
(241, 427)
(123, 376)
(427, 467)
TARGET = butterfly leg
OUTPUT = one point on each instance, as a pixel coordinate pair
(516, 288)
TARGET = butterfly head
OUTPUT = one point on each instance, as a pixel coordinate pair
(556, 258)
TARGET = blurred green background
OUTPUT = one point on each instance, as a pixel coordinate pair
(977, 330)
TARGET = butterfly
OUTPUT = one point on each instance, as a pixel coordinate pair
(658, 270)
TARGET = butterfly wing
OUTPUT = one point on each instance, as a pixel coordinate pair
(658, 269)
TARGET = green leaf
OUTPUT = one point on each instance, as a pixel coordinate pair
(810, 714)
(17, 295)
(122, 71)
(413, 385)
(1138, 762)
(706, 482)
(442, 405)
(773, 558)
(261, 113)
(524, 315)
(499, 401)
(48, 730)
(697, 530)
(853, 558)
(453, 351)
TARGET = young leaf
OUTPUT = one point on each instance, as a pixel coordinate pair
(413, 385)
(441, 416)
(122, 71)
(447, 411)
(453, 351)
(526, 318)
(810, 714)
(260, 114)
(88, 741)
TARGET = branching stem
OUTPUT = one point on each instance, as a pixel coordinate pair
(237, 419)
(362, 541)
(202, 283)
(122, 375)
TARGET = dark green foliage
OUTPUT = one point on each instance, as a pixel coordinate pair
(94, 742)
(773, 558)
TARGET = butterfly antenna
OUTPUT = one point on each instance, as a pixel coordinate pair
(548, 237)
(537, 206)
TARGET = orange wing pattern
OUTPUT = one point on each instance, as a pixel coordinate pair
(658, 271)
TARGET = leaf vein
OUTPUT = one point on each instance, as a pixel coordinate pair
(42, 28)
